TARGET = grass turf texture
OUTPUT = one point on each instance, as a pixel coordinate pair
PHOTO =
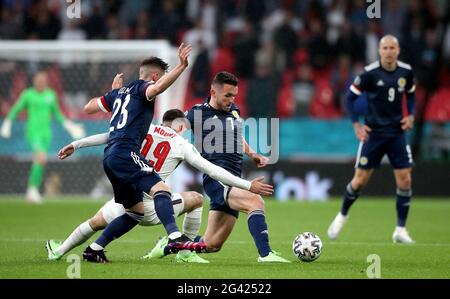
(25, 228)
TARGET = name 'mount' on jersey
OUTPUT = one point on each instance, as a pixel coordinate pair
(132, 113)
(384, 91)
(218, 135)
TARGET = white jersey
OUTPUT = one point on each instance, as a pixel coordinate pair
(164, 149)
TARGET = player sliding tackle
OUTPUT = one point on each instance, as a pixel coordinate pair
(165, 150)
(217, 117)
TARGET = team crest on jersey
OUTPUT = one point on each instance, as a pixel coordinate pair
(401, 84)
(363, 161)
(357, 80)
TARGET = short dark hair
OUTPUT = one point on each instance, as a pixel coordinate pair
(172, 114)
(225, 78)
(155, 61)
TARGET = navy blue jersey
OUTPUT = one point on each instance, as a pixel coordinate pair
(131, 116)
(384, 90)
(218, 135)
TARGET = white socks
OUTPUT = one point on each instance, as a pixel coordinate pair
(80, 235)
(174, 235)
(192, 222)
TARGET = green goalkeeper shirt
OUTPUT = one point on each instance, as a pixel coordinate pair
(40, 107)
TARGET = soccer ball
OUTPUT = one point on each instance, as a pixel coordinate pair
(307, 247)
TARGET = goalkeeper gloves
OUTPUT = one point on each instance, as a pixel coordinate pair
(75, 130)
(5, 131)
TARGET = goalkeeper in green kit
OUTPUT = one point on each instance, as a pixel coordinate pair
(40, 103)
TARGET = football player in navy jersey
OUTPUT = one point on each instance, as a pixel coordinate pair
(383, 132)
(217, 130)
(130, 174)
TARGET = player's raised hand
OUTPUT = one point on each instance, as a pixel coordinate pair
(362, 131)
(258, 187)
(66, 151)
(183, 53)
(117, 81)
(407, 123)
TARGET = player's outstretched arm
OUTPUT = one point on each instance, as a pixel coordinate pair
(223, 176)
(5, 130)
(93, 140)
(165, 81)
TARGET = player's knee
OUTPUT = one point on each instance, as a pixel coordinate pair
(359, 182)
(404, 182)
(256, 202)
(137, 216)
(160, 186)
(197, 199)
(97, 222)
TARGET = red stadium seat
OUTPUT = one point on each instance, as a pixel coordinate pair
(285, 101)
(241, 100)
(322, 105)
(439, 106)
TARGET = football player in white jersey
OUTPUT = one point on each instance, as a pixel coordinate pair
(165, 150)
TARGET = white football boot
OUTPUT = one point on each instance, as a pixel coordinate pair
(336, 226)
(33, 195)
(401, 235)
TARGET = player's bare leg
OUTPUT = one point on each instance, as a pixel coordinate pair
(359, 181)
(220, 226)
(404, 193)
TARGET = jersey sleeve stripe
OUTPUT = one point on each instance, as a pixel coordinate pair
(102, 104)
(413, 89)
(355, 90)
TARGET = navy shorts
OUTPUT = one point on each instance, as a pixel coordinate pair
(130, 175)
(218, 195)
(371, 152)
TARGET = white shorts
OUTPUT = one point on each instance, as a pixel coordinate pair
(111, 210)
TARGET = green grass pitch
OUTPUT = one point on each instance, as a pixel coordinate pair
(25, 228)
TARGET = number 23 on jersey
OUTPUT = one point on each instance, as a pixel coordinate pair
(123, 116)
